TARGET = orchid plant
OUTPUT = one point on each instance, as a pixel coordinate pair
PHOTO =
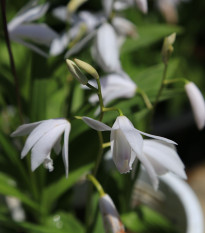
(102, 105)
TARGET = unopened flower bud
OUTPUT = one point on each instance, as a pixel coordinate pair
(87, 67)
(76, 72)
(73, 5)
(111, 218)
(197, 103)
(168, 48)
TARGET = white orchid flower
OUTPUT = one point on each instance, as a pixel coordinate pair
(113, 86)
(43, 136)
(197, 103)
(126, 143)
(105, 50)
(111, 218)
(21, 29)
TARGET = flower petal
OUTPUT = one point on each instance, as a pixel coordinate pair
(28, 15)
(142, 5)
(39, 132)
(25, 129)
(163, 158)
(107, 6)
(97, 125)
(65, 148)
(156, 137)
(43, 146)
(121, 151)
(197, 103)
(61, 13)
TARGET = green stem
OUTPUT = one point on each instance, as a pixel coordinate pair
(113, 109)
(13, 68)
(100, 99)
(96, 184)
(185, 81)
(145, 98)
(100, 153)
(162, 85)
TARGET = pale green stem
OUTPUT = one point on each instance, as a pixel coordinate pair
(100, 153)
(96, 184)
(105, 145)
(185, 81)
(113, 109)
(145, 98)
(162, 85)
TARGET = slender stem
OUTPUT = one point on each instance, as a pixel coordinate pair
(96, 184)
(113, 109)
(145, 98)
(100, 153)
(13, 68)
(100, 99)
(162, 85)
(185, 81)
(107, 144)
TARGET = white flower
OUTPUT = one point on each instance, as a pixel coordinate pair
(126, 144)
(111, 218)
(114, 86)
(105, 49)
(21, 29)
(43, 136)
(197, 103)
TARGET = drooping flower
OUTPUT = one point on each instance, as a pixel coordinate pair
(197, 103)
(127, 144)
(114, 86)
(21, 29)
(105, 49)
(111, 218)
(43, 136)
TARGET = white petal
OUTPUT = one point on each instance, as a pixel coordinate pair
(124, 26)
(121, 151)
(31, 46)
(57, 146)
(39, 132)
(58, 45)
(28, 16)
(142, 5)
(25, 129)
(97, 125)
(48, 163)
(197, 103)
(38, 33)
(111, 218)
(163, 158)
(61, 13)
(107, 48)
(75, 49)
(43, 146)
(134, 139)
(122, 5)
(156, 137)
(65, 148)
(107, 6)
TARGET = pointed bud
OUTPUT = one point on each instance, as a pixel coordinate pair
(197, 103)
(111, 219)
(168, 48)
(87, 67)
(76, 72)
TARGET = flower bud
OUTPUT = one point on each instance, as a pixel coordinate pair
(73, 5)
(111, 218)
(168, 48)
(197, 103)
(87, 67)
(75, 71)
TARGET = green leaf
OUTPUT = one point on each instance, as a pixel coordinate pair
(149, 34)
(8, 187)
(55, 190)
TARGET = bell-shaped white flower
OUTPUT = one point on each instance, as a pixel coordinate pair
(21, 29)
(197, 103)
(126, 143)
(105, 49)
(43, 136)
(114, 86)
(111, 218)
